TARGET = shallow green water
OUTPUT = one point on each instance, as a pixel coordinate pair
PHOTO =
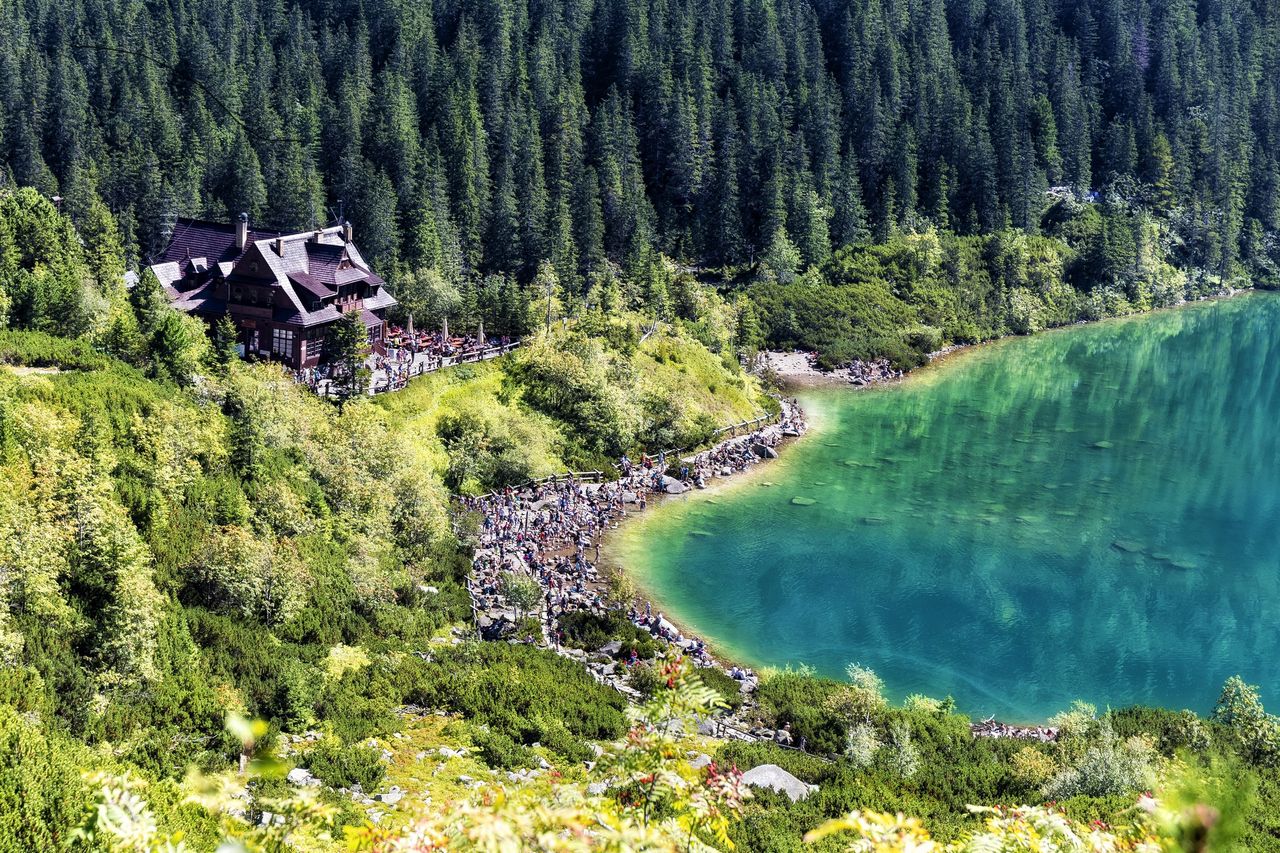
(1090, 513)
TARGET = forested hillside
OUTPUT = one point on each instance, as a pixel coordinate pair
(481, 137)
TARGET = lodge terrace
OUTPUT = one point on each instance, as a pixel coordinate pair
(282, 291)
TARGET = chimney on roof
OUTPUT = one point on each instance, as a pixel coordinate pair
(242, 231)
(346, 231)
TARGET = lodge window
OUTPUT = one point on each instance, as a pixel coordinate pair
(282, 341)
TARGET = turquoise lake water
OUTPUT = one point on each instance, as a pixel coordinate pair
(1089, 513)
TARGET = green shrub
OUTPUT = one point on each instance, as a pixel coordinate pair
(37, 349)
(718, 680)
(644, 679)
(801, 700)
(340, 766)
(586, 630)
(500, 751)
(510, 688)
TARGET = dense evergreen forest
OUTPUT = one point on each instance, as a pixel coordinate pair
(476, 138)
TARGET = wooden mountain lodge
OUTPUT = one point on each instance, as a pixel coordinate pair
(282, 291)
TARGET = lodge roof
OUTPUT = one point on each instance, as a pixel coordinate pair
(308, 268)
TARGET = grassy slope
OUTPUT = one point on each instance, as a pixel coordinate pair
(670, 364)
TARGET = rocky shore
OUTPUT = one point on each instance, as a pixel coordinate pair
(550, 533)
(800, 368)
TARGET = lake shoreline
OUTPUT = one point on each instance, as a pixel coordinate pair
(795, 373)
(812, 380)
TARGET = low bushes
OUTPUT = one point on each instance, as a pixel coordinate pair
(342, 766)
(528, 694)
(37, 349)
(718, 680)
(590, 631)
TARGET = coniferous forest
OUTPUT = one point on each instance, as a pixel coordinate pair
(478, 138)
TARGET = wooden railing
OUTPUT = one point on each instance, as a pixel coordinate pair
(566, 477)
(746, 427)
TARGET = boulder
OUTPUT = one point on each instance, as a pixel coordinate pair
(302, 777)
(630, 498)
(764, 451)
(672, 486)
(775, 778)
(700, 761)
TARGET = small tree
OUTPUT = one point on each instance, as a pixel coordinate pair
(348, 347)
(781, 259)
(860, 700)
(225, 334)
(1257, 733)
(861, 745)
(522, 592)
(904, 757)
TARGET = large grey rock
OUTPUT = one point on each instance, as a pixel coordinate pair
(700, 761)
(764, 451)
(672, 486)
(302, 777)
(774, 777)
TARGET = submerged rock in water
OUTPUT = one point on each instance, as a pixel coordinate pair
(1127, 545)
(803, 501)
(1102, 445)
(873, 520)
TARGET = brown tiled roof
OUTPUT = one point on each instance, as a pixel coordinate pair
(215, 241)
(304, 267)
(314, 288)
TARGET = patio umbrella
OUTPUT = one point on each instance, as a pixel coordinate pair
(410, 325)
(446, 328)
(480, 334)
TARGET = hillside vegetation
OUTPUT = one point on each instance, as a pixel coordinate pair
(189, 542)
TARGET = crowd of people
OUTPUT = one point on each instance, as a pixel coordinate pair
(408, 356)
(872, 372)
(551, 531)
(995, 729)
